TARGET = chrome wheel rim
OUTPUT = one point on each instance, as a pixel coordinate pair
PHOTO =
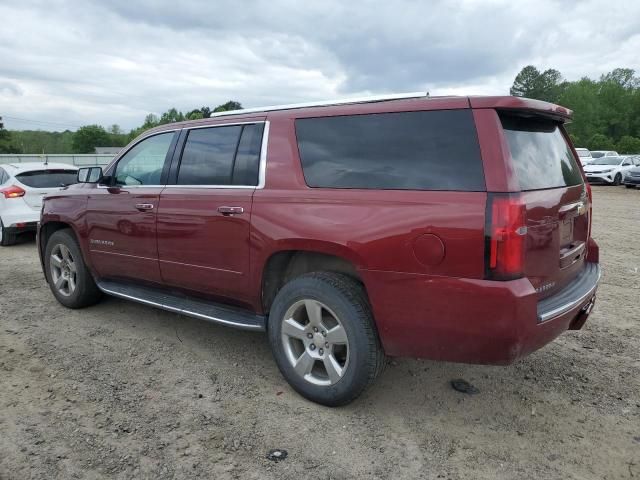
(63, 270)
(315, 342)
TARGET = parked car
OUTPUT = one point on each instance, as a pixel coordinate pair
(608, 169)
(632, 176)
(584, 155)
(603, 153)
(345, 230)
(22, 186)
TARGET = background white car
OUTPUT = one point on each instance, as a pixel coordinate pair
(603, 153)
(22, 186)
(585, 155)
(608, 169)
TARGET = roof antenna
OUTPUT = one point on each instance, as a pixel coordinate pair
(46, 158)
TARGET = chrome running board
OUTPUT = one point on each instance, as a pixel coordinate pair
(192, 307)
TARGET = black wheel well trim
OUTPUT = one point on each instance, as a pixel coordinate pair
(285, 265)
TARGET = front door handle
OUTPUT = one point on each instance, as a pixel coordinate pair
(231, 210)
(143, 207)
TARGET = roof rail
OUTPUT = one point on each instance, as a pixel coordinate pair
(324, 103)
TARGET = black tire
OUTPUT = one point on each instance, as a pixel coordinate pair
(7, 238)
(630, 186)
(345, 298)
(86, 292)
(617, 180)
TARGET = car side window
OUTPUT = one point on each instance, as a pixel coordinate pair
(626, 163)
(221, 156)
(142, 165)
(3, 176)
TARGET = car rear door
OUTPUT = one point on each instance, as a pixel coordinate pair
(204, 213)
(555, 198)
(121, 215)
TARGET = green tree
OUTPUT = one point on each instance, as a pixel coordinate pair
(195, 115)
(226, 107)
(629, 144)
(600, 142)
(532, 83)
(87, 138)
(170, 116)
(7, 144)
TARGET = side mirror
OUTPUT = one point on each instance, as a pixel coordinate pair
(89, 174)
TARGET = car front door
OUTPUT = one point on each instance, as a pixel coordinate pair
(204, 213)
(121, 215)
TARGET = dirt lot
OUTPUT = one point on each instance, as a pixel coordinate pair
(126, 391)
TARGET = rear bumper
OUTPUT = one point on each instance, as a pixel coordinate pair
(18, 217)
(473, 321)
(20, 227)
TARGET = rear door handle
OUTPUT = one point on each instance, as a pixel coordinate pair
(143, 207)
(231, 210)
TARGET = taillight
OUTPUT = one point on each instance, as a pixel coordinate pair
(12, 192)
(506, 234)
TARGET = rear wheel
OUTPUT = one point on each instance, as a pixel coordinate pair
(617, 180)
(68, 276)
(6, 238)
(323, 338)
(630, 186)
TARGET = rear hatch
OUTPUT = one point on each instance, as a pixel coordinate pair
(555, 198)
(42, 182)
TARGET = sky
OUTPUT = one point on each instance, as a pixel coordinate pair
(68, 63)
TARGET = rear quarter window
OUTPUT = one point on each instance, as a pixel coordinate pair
(48, 178)
(541, 156)
(427, 150)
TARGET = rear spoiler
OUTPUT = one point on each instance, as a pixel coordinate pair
(525, 106)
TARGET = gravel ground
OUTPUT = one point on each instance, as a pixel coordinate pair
(121, 390)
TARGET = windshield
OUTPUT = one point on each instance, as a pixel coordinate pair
(597, 154)
(606, 161)
(583, 153)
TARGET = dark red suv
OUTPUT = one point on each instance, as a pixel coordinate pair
(451, 228)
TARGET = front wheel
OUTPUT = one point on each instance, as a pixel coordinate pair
(323, 338)
(617, 180)
(68, 276)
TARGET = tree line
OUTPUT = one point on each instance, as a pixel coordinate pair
(606, 115)
(606, 112)
(88, 137)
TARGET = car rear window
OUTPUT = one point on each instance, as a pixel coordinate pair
(432, 150)
(48, 178)
(541, 155)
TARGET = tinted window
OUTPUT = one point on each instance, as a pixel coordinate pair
(207, 158)
(541, 155)
(247, 164)
(142, 165)
(435, 150)
(48, 178)
(3, 176)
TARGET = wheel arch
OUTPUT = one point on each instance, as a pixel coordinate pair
(285, 264)
(45, 232)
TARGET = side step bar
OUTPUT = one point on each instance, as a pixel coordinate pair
(192, 307)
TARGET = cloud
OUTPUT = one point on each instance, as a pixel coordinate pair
(76, 62)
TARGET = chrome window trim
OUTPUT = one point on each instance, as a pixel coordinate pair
(262, 168)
